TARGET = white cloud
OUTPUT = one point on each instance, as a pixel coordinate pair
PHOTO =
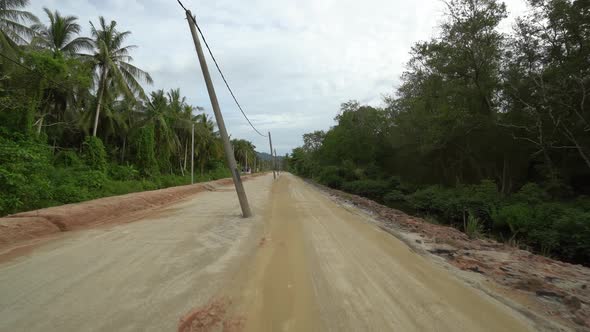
(290, 62)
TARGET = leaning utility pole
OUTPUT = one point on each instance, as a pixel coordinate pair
(274, 174)
(193, 154)
(229, 156)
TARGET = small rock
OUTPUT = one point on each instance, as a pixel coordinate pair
(550, 279)
(475, 268)
(443, 250)
(584, 286)
(546, 293)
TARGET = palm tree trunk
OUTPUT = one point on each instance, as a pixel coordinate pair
(123, 150)
(40, 125)
(101, 87)
(185, 154)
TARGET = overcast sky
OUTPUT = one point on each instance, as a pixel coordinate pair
(290, 62)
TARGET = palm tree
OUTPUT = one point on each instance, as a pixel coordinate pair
(243, 151)
(13, 20)
(207, 142)
(60, 35)
(113, 69)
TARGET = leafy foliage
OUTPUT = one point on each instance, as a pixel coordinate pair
(94, 154)
(488, 131)
(52, 148)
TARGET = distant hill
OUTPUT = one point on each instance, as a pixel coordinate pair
(265, 156)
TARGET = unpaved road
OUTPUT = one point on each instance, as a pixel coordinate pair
(304, 263)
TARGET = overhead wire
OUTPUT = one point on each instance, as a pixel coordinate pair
(219, 70)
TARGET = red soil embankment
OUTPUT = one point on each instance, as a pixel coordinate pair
(26, 226)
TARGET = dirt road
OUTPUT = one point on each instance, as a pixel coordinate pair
(304, 263)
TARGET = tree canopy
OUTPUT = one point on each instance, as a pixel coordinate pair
(77, 123)
(480, 120)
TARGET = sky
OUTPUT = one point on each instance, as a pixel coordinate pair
(291, 63)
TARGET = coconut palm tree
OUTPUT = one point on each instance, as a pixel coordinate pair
(13, 23)
(207, 143)
(60, 36)
(112, 64)
(243, 151)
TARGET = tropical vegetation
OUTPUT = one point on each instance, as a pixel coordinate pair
(488, 131)
(77, 123)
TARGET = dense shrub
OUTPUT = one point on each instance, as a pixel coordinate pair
(95, 154)
(67, 158)
(473, 227)
(24, 169)
(393, 197)
(549, 228)
(438, 200)
(374, 189)
(123, 172)
(165, 181)
(91, 179)
(330, 176)
(70, 193)
(530, 193)
(516, 217)
(146, 151)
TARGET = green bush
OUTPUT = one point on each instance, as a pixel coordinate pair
(67, 158)
(165, 181)
(330, 176)
(530, 193)
(374, 189)
(91, 179)
(474, 227)
(146, 151)
(218, 171)
(123, 172)
(573, 229)
(24, 170)
(446, 203)
(114, 188)
(516, 217)
(70, 193)
(393, 197)
(95, 154)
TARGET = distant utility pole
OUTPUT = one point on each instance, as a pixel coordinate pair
(193, 154)
(276, 163)
(274, 174)
(229, 156)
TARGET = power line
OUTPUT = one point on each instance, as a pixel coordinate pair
(32, 70)
(219, 70)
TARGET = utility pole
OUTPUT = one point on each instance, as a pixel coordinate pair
(229, 156)
(193, 154)
(274, 174)
(276, 163)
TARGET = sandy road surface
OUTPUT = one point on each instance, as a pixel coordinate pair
(304, 263)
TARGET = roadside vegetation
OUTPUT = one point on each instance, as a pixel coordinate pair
(488, 132)
(77, 124)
